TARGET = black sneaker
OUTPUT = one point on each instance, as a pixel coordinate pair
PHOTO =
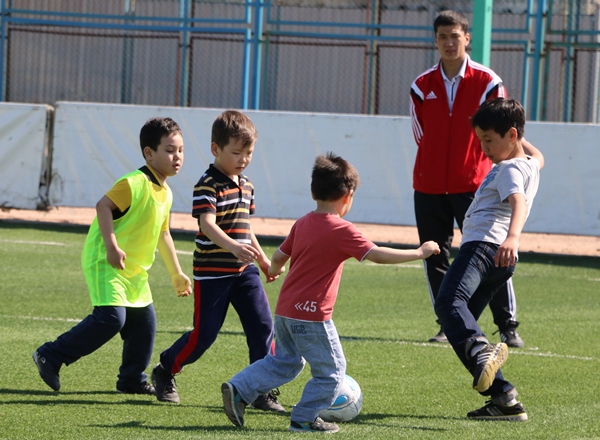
(268, 402)
(141, 388)
(319, 425)
(164, 384)
(511, 338)
(492, 411)
(48, 372)
(440, 337)
(486, 363)
(233, 404)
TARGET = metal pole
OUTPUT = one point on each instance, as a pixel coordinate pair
(372, 59)
(482, 31)
(184, 75)
(257, 58)
(537, 61)
(3, 44)
(127, 57)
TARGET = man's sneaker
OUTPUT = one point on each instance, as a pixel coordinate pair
(319, 425)
(141, 388)
(440, 337)
(486, 363)
(492, 411)
(164, 384)
(268, 402)
(233, 404)
(511, 338)
(48, 372)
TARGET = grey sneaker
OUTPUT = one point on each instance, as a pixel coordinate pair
(48, 372)
(511, 338)
(141, 388)
(233, 404)
(268, 402)
(164, 384)
(319, 425)
(492, 411)
(440, 337)
(486, 363)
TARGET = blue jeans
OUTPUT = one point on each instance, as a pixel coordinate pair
(137, 327)
(298, 342)
(467, 288)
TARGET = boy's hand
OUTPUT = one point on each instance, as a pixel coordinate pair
(507, 253)
(429, 248)
(182, 284)
(116, 257)
(265, 267)
(274, 274)
(245, 253)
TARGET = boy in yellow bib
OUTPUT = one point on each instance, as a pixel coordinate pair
(132, 221)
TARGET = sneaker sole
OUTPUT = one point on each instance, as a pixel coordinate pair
(488, 373)
(292, 429)
(229, 405)
(522, 417)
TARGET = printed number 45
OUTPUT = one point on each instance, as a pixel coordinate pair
(308, 306)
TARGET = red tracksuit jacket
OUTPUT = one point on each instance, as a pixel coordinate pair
(449, 157)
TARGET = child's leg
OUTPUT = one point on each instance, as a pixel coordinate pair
(86, 337)
(466, 290)
(211, 300)
(138, 340)
(250, 301)
(273, 371)
(319, 344)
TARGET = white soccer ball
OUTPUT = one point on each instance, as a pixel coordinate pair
(347, 404)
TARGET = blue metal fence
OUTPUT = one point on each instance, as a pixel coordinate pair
(342, 56)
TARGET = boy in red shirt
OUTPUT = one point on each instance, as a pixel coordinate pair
(317, 247)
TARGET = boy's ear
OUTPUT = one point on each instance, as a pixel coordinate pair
(147, 152)
(513, 134)
(214, 149)
(348, 196)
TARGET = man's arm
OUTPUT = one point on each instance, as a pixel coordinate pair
(416, 109)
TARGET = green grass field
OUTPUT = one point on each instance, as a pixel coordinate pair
(412, 389)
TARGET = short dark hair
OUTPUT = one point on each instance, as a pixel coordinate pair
(451, 18)
(233, 124)
(153, 131)
(500, 115)
(333, 178)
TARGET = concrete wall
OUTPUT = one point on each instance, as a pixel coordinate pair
(94, 144)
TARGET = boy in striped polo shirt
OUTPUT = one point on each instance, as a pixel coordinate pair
(226, 248)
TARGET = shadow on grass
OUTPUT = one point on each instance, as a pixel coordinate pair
(67, 398)
(366, 420)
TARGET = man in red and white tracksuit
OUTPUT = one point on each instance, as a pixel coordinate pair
(450, 164)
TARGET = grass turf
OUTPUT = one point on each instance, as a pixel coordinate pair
(412, 389)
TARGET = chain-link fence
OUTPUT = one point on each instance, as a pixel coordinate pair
(341, 56)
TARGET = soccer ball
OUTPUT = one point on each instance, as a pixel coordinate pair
(347, 404)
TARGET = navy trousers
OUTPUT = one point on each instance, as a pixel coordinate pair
(137, 327)
(211, 301)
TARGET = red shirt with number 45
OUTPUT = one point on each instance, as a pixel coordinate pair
(318, 245)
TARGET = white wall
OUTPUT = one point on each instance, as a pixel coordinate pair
(94, 144)
(23, 142)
